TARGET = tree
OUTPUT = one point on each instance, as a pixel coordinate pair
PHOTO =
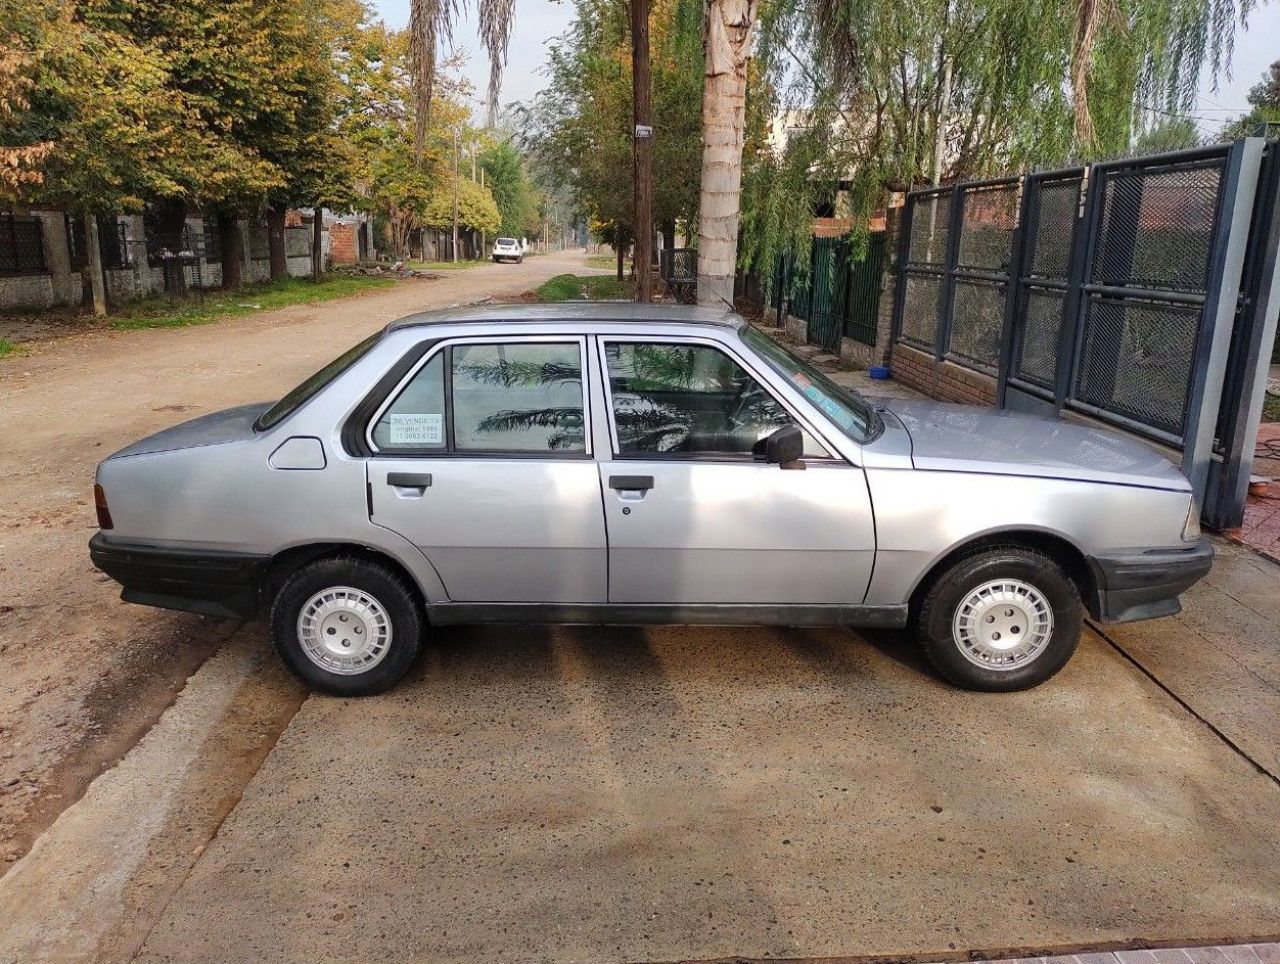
(946, 89)
(476, 208)
(727, 40)
(430, 23)
(512, 191)
(578, 129)
(1170, 134)
(1264, 99)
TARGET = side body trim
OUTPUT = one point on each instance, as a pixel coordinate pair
(632, 614)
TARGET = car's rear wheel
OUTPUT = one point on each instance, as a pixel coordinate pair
(1000, 620)
(347, 626)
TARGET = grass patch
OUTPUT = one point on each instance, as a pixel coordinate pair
(603, 261)
(447, 265)
(160, 312)
(578, 287)
(8, 347)
(1270, 405)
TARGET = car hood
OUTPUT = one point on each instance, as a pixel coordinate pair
(228, 425)
(963, 438)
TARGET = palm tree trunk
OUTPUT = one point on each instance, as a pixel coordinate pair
(727, 40)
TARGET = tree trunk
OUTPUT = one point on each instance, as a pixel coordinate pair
(275, 242)
(317, 242)
(92, 279)
(727, 41)
(620, 250)
(669, 235)
(642, 150)
(232, 253)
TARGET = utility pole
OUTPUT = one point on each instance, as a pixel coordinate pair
(642, 150)
(455, 194)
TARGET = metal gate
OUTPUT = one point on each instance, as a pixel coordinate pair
(839, 296)
(1112, 291)
(827, 279)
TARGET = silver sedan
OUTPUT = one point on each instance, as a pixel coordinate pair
(636, 464)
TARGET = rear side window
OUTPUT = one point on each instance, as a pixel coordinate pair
(312, 386)
(515, 397)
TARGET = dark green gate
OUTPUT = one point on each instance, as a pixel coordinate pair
(863, 301)
(828, 278)
(837, 297)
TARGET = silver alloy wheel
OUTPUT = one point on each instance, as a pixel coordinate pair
(1003, 624)
(344, 630)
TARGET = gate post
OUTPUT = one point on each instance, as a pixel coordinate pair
(955, 227)
(1229, 482)
(1213, 344)
(1013, 290)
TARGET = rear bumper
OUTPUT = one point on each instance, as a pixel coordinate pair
(1143, 585)
(206, 581)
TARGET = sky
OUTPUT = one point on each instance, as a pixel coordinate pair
(538, 21)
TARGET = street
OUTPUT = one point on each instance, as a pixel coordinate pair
(168, 793)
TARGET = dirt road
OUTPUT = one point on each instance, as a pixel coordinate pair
(84, 674)
(575, 794)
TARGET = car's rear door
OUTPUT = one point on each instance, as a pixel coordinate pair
(693, 516)
(482, 458)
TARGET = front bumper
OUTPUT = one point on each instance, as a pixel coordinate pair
(1145, 584)
(207, 581)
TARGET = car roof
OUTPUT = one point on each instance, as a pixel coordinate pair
(575, 311)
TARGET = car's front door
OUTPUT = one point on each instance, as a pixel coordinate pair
(695, 516)
(482, 459)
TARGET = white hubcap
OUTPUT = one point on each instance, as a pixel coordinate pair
(344, 630)
(1003, 624)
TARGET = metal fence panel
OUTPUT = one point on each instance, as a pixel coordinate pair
(21, 245)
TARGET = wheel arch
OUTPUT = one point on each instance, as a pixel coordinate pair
(288, 561)
(1057, 547)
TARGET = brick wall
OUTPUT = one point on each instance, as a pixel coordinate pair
(941, 379)
(342, 243)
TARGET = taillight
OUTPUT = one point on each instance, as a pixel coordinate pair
(100, 503)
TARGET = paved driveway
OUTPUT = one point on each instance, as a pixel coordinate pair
(576, 794)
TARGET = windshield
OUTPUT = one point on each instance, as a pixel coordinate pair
(308, 389)
(847, 410)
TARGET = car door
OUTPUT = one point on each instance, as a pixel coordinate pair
(694, 515)
(482, 458)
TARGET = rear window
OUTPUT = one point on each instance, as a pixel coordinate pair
(507, 241)
(312, 386)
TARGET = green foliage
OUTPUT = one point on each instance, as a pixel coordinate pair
(476, 207)
(7, 347)
(580, 127)
(570, 287)
(1000, 84)
(1171, 134)
(512, 191)
(162, 313)
(1264, 99)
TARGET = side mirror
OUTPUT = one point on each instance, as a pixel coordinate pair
(785, 447)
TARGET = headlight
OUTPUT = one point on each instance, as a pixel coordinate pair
(1191, 528)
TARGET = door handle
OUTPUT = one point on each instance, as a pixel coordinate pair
(409, 480)
(631, 483)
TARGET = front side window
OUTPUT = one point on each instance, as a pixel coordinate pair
(846, 409)
(519, 397)
(680, 399)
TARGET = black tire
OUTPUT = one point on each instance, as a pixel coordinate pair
(942, 600)
(388, 589)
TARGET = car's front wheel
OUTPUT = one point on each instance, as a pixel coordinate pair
(1000, 620)
(347, 626)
